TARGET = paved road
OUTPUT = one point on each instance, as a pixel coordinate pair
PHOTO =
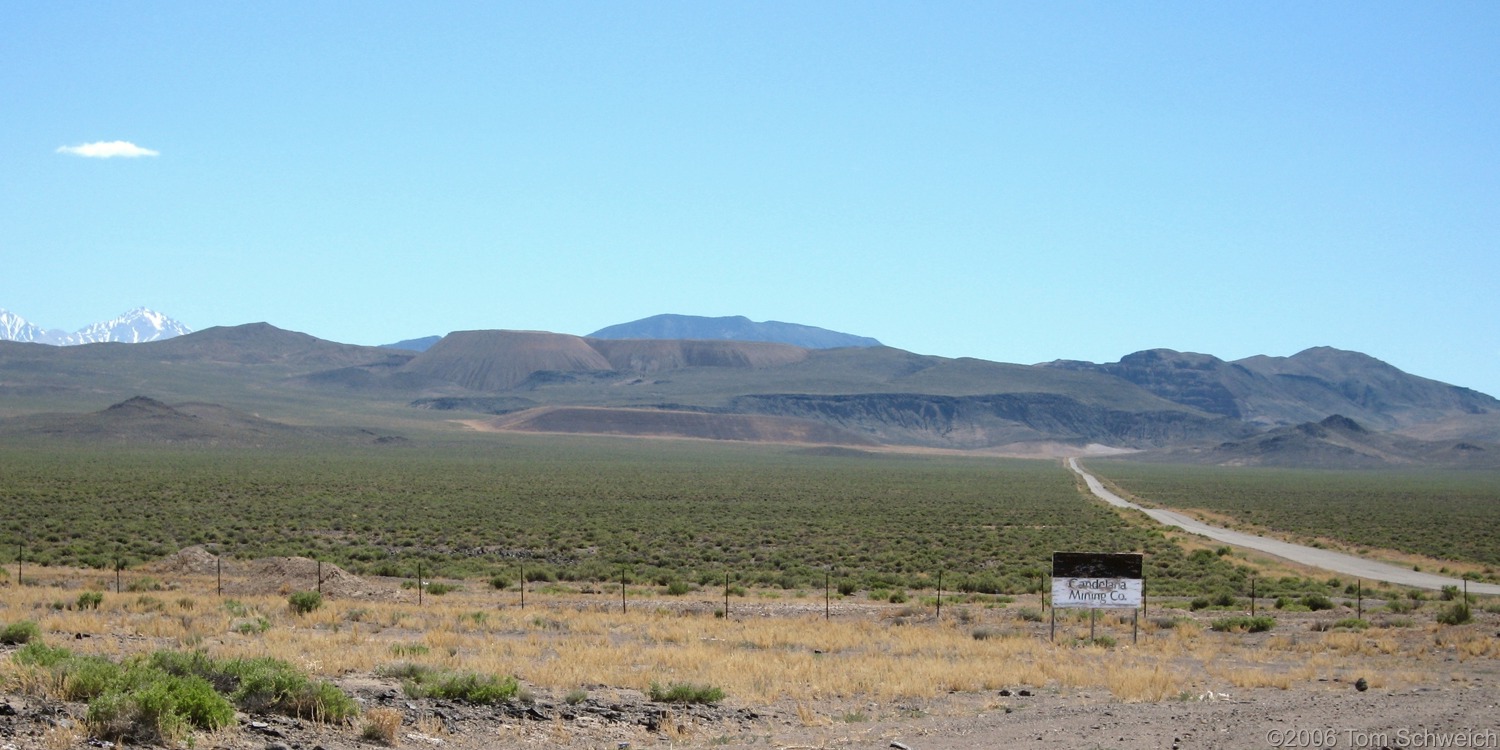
(1336, 562)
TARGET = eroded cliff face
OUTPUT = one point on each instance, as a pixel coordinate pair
(995, 420)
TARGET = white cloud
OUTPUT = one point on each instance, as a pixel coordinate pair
(107, 150)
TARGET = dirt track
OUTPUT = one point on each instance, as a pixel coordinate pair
(1319, 558)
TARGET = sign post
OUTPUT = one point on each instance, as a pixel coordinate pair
(1087, 580)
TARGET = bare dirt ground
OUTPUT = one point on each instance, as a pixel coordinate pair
(1430, 685)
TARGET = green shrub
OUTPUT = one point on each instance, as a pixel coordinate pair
(541, 575)
(1316, 602)
(1243, 624)
(1399, 606)
(1352, 623)
(303, 602)
(266, 684)
(470, 687)
(1029, 614)
(680, 692)
(86, 678)
(20, 633)
(252, 627)
(1456, 613)
(438, 589)
(984, 633)
(90, 600)
(39, 654)
(406, 671)
(137, 700)
(499, 583)
(576, 696)
(678, 588)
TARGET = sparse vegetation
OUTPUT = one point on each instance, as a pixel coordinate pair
(303, 602)
(18, 633)
(470, 687)
(681, 692)
(1243, 624)
(767, 517)
(1457, 613)
(1447, 515)
(164, 696)
(382, 725)
(1316, 602)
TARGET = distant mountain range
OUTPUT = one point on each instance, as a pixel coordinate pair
(134, 327)
(734, 328)
(699, 328)
(730, 378)
(1320, 407)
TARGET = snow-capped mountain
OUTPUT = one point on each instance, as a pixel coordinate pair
(134, 327)
(16, 328)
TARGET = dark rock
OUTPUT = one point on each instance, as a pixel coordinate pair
(1361, 685)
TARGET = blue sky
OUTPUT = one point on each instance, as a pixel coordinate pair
(1017, 182)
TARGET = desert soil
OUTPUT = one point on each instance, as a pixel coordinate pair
(1457, 701)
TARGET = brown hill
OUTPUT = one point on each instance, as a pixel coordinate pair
(649, 356)
(258, 344)
(1337, 442)
(146, 421)
(500, 360)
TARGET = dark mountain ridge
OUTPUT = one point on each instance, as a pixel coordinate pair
(731, 328)
(1188, 406)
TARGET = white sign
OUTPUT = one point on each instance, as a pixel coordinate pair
(1097, 593)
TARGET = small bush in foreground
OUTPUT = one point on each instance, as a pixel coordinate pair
(382, 725)
(1316, 602)
(1352, 623)
(252, 627)
(470, 687)
(303, 602)
(147, 704)
(1456, 613)
(1243, 624)
(40, 654)
(679, 692)
(20, 633)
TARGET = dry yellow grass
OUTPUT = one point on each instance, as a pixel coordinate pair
(383, 725)
(558, 644)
